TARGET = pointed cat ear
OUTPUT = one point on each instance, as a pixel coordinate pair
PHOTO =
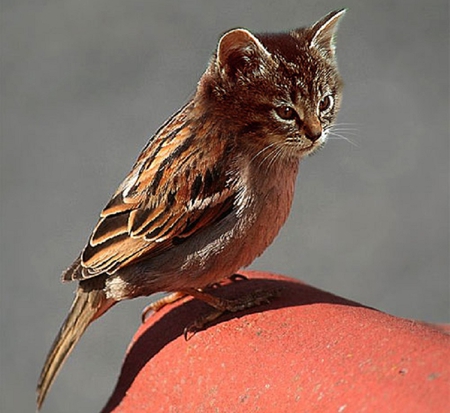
(239, 51)
(324, 31)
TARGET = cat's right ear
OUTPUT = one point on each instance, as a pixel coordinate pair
(324, 33)
(240, 53)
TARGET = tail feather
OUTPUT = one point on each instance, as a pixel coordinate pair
(90, 302)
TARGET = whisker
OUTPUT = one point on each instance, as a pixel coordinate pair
(346, 124)
(273, 155)
(346, 132)
(346, 129)
(270, 157)
(267, 155)
(334, 135)
(276, 154)
(262, 151)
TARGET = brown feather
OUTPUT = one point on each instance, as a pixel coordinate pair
(89, 304)
(213, 186)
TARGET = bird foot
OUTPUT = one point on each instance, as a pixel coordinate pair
(222, 305)
(154, 307)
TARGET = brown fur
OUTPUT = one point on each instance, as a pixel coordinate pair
(213, 187)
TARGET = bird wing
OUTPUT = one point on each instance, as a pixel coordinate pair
(177, 186)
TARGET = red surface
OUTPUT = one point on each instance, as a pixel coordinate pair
(306, 351)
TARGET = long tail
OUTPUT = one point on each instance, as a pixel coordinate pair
(90, 303)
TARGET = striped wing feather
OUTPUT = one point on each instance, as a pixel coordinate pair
(172, 192)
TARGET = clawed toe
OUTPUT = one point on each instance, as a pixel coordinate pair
(222, 305)
(201, 323)
(253, 299)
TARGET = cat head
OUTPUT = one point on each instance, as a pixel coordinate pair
(281, 89)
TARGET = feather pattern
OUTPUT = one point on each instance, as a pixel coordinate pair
(214, 185)
(171, 193)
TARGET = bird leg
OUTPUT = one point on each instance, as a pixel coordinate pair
(158, 304)
(178, 295)
(221, 305)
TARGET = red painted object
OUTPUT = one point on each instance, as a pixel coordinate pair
(306, 351)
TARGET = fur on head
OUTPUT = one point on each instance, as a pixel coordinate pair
(284, 86)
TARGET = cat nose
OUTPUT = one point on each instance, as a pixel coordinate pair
(312, 129)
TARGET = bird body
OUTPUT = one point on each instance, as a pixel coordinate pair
(214, 185)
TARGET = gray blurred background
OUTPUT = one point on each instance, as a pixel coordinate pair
(84, 83)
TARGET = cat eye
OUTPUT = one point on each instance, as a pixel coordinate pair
(326, 103)
(286, 112)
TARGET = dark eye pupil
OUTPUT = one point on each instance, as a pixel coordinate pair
(286, 112)
(325, 103)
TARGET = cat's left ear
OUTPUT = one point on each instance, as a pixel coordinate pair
(240, 53)
(324, 32)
